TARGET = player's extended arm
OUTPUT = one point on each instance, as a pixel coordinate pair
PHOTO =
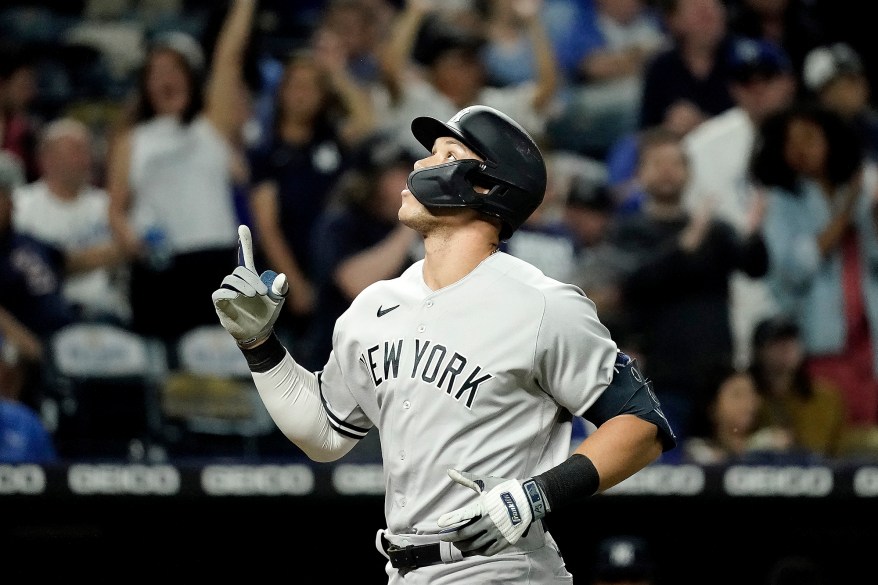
(631, 433)
(248, 305)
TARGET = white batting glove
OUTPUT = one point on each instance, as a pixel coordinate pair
(248, 304)
(499, 517)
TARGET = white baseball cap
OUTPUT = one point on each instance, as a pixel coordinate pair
(184, 44)
(823, 64)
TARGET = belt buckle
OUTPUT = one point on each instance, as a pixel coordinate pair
(402, 554)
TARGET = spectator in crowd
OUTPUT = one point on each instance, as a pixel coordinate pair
(621, 157)
(588, 211)
(692, 74)
(603, 84)
(675, 296)
(64, 209)
(23, 436)
(624, 560)
(835, 76)
(564, 21)
(762, 82)
(508, 54)
(32, 306)
(432, 66)
(589, 214)
(18, 89)
(321, 115)
(820, 230)
(810, 408)
(358, 239)
(360, 26)
(545, 239)
(794, 25)
(726, 428)
(170, 175)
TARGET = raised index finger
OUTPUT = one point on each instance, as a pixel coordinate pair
(245, 242)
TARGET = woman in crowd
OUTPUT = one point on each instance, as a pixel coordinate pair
(812, 409)
(820, 231)
(170, 176)
(320, 115)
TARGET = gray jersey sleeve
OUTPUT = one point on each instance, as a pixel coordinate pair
(575, 352)
(345, 413)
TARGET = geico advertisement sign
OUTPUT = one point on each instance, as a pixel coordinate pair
(791, 480)
(160, 480)
(663, 480)
(22, 480)
(257, 480)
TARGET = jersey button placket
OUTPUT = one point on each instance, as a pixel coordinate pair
(427, 305)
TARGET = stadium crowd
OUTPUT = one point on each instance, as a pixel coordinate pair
(713, 189)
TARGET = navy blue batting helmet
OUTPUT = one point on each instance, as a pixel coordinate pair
(513, 169)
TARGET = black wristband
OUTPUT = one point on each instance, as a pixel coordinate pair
(574, 479)
(266, 355)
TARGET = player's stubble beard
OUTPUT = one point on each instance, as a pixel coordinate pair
(433, 222)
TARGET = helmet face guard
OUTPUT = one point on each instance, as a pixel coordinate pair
(445, 185)
(512, 169)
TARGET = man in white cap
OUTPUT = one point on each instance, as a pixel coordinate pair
(835, 76)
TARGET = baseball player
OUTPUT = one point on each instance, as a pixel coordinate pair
(470, 365)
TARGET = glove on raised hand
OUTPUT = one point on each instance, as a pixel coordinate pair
(248, 304)
(499, 517)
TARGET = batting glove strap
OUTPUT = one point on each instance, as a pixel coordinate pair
(539, 505)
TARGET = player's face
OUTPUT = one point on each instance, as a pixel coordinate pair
(412, 212)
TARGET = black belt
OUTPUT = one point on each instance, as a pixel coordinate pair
(413, 556)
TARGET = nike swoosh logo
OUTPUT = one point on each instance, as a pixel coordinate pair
(382, 312)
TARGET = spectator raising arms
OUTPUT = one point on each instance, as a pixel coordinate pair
(433, 66)
(170, 175)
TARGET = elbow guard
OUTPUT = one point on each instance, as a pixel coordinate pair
(631, 393)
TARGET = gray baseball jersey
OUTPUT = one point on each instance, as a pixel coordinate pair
(479, 376)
